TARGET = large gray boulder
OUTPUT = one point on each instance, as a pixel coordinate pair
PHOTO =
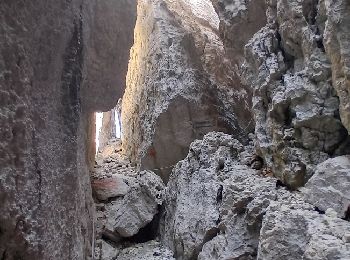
(294, 230)
(330, 186)
(128, 214)
(214, 203)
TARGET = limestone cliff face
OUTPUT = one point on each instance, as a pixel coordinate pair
(336, 30)
(179, 85)
(47, 49)
(298, 78)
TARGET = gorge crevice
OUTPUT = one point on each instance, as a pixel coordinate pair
(175, 129)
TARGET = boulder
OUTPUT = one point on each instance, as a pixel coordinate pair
(109, 188)
(329, 187)
(151, 250)
(128, 214)
(214, 204)
(294, 230)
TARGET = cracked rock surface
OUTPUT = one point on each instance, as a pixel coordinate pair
(216, 207)
(214, 203)
(150, 250)
(180, 85)
(328, 188)
(297, 87)
(295, 231)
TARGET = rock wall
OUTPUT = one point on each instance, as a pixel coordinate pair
(298, 79)
(179, 85)
(217, 207)
(51, 67)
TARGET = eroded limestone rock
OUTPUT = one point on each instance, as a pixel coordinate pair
(46, 62)
(147, 251)
(295, 231)
(295, 104)
(336, 31)
(216, 207)
(329, 187)
(127, 215)
(179, 86)
(214, 203)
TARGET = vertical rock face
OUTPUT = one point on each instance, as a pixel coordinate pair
(110, 35)
(298, 77)
(239, 21)
(337, 45)
(46, 52)
(179, 85)
(217, 207)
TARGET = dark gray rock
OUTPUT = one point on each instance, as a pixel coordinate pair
(45, 141)
(329, 187)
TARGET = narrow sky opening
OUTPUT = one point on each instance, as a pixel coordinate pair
(99, 118)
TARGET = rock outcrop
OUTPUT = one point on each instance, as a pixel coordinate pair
(128, 200)
(179, 86)
(150, 250)
(295, 231)
(214, 203)
(216, 207)
(336, 31)
(235, 118)
(294, 80)
(328, 188)
(46, 54)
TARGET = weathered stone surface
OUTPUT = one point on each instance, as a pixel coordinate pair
(214, 204)
(108, 129)
(295, 105)
(127, 215)
(110, 36)
(131, 198)
(105, 251)
(147, 251)
(336, 31)
(109, 188)
(295, 231)
(329, 187)
(239, 21)
(45, 195)
(179, 85)
(218, 208)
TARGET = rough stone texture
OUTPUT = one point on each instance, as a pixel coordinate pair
(239, 21)
(329, 187)
(109, 188)
(295, 231)
(337, 45)
(110, 32)
(45, 195)
(214, 204)
(106, 251)
(150, 250)
(179, 85)
(218, 208)
(137, 208)
(132, 198)
(296, 107)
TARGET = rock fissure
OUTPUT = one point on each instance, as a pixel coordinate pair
(222, 130)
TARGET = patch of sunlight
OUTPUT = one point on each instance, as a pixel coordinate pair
(99, 119)
(118, 124)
